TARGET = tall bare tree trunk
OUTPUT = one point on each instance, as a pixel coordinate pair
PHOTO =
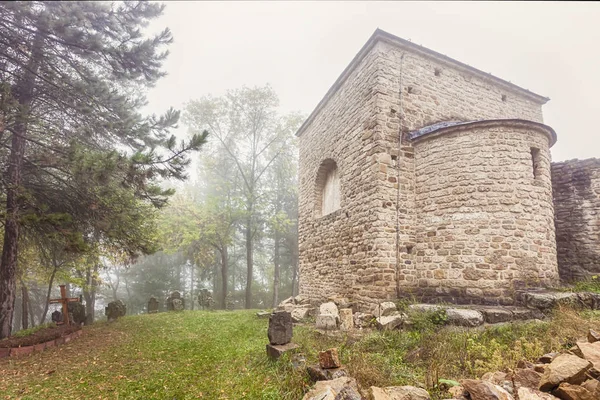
(224, 272)
(192, 286)
(89, 292)
(276, 269)
(48, 295)
(249, 261)
(24, 91)
(24, 306)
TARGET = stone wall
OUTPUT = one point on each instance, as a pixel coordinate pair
(576, 189)
(485, 225)
(352, 251)
(339, 253)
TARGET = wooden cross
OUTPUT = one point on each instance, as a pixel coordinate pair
(64, 300)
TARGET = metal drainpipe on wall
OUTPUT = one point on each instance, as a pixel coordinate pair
(400, 116)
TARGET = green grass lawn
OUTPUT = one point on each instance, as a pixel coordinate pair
(221, 355)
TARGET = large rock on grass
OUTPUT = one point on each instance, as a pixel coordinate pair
(567, 391)
(390, 322)
(274, 351)
(591, 352)
(398, 393)
(331, 309)
(300, 314)
(564, 368)
(384, 309)
(464, 317)
(115, 309)
(316, 373)
(280, 328)
(329, 359)
(326, 322)
(484, 390)
(532, 394)
(328, 390)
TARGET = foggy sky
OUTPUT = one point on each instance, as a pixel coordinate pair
(300, 48)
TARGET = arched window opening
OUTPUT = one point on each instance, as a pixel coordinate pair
(328, 188)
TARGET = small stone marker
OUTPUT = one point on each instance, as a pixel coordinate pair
(346, 319)
(175, 302)
(329, 359)
(115, 309)
(280, 328)
(152, 305)
(280, 334)
(205, 299)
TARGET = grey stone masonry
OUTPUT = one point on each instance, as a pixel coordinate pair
(462, 214)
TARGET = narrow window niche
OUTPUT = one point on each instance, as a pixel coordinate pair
(328, 189)
(535, 162)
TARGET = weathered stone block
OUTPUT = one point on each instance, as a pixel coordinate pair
(346, 319)
(326, 322)
(274, 351)
(280, 328)
(329, 359)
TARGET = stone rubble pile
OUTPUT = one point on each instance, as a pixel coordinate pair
(570, 375)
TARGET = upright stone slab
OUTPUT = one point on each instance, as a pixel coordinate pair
(115, 309)
(152, 305)
(175, 302)
(280, 328)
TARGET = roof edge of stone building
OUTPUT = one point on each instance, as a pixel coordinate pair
(443, 128)
(398, 41)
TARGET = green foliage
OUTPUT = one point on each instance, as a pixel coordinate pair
(30, 331)
(590, 285)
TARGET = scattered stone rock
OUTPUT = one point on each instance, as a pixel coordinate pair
(363, 320)
(286, 307)
(329, 359)
(340, 302)
(539, 368)
(289, 300)
(346, 319)
(564, 368)
(398, 393)
(327, 390)
(348, 393)
(299, 300)
(326, 321)
(274, 351)
(280, 328)
(591, 352)
(525, 364)
(485, 390)
(317, 373)
(531, 394)
(464, 317)
(593, 386)
(593, 336)
(300, 314)
(547, 358)
(493, 315)
(566, 391)
(263, 314)
(389, 322)
(525, 378)
(457, 392)
(385, 309)
(495, 377)
(331, 309)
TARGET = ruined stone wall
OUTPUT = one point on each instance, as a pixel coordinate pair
(485, 221)
(340, 253)
(576, 189)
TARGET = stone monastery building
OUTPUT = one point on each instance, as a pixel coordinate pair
(423, 176)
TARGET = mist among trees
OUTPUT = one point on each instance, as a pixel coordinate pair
(96, 195)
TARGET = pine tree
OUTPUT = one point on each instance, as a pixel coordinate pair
(72, 80)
